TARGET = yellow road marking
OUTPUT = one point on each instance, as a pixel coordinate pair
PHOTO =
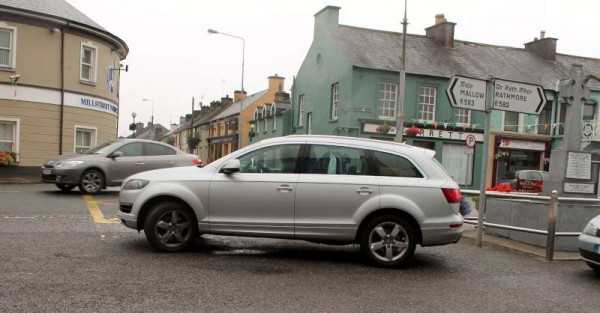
(96, 213)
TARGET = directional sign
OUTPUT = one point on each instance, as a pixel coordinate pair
(467, 93)
(518, 97)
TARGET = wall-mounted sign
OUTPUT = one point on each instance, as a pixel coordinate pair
(522, 144)
(579, 165)
(92, 103)
(110, 79)
(578, 188)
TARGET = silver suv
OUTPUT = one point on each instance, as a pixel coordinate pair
(385, 196)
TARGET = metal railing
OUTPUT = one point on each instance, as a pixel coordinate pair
(552, 201)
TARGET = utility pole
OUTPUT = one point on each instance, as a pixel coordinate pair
(402, 82)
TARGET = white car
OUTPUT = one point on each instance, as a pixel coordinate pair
(589, 244)
(385, 196)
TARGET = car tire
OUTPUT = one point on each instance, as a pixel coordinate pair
(170, 227)
(92, 181)
(388, 241)
(65, 187)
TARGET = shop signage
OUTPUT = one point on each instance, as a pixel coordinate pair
(518, 97)
(578, 188)
(449, 134)
(467, 93)
(92, 103)
(522, 144)
(579, 165)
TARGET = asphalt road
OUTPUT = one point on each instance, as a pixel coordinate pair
(58, 254)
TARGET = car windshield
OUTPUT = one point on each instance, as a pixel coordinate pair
(103, 148)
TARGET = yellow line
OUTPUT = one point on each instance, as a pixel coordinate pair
(96, 213)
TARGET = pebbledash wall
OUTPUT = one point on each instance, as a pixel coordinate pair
(66, 97)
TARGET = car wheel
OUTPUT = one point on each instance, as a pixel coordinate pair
(65, 187)
(170, 227)
(91, 182)
(388, 241)
(595, 267)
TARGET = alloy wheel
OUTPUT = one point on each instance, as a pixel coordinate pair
(173, 229)
(388, 241)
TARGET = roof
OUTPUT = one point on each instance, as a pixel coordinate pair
(234, 107)
(376, 49)
(146, 132)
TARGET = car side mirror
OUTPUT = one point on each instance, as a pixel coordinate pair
(232, 166)
(115, 154)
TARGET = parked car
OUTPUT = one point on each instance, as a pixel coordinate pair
(589, 244)
(385, 196)
(110, 163)
(525, 180)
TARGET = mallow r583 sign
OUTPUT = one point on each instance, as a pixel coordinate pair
(467, 93)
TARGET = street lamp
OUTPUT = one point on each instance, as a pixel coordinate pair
(132, 126)
(215, 32)
(151, 118)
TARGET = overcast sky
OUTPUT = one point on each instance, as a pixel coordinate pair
(172, 58)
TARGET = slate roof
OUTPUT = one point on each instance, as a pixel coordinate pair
(56, 8)
(376, 49)
(234, 107)
(146, 132)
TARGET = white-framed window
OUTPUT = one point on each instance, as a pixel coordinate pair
(89, 61)
(388, 95)
(85, 138)
(8, 46)
(458, 162)
(335, 101)
(427, 97)
(301, 111)
(9, 135)
(463, 116)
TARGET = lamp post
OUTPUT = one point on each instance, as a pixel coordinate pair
(215, 32)
(132, 128)
(402, 83)
(151, 118)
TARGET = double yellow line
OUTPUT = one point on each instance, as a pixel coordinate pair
(97, 213)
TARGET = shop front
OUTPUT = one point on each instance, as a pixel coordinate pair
(515, 154)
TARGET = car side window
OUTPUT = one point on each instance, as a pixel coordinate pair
(387, 164)
(131, 149)
(336, 160)
(155, 149)
(275, 159)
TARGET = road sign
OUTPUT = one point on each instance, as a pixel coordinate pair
(470, 140)
(518, 97)
(467, 93)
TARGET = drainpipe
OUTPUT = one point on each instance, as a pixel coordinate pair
(62, 88)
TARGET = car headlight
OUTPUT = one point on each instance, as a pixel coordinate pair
(135, 184)
(592, 230)
(68, 164)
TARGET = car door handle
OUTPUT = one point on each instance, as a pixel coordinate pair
(170, 162)
(364, 191)
(285, 188)
(139, 163)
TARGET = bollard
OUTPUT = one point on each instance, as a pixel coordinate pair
(552, 213)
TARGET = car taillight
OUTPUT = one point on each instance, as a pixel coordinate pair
(452, 195)
(197, 161)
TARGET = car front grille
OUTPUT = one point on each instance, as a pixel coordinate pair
(125, 207)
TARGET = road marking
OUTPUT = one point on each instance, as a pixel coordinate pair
(96, 213)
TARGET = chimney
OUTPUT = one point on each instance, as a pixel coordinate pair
(188, 117)
(226, 100)
(237, 95)
(182, 119)
(276, 83)
(326, 20)
(442, 32)
(282, 96)
(545, 47)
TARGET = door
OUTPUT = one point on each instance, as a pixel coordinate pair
(334, 185)
(133, 161)
(160, 156)
(260, 198)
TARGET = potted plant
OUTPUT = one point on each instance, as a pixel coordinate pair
(7, 158)
(412, 131)
(383, 129)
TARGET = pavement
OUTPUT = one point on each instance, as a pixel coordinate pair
(470, 233)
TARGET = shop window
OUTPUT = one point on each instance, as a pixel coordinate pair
(458, 162)
(8, 54)
(335, 101)
(511, 121)
(88, 63)
(9, 135)
(427, 101)
(545, 119)
(85, 138)
(388, 93)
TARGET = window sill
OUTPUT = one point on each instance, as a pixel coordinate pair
(274, 130)
(86, 82)
(333, 121)
(7, 69)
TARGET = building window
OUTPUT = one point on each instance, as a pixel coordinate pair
(561, 118)
(589, 110)
(88, 63)
(7, 46)
(458, 163)
(544, 120)
(463, 116)
(335, 101)
(301, 111)
(388, 95)
(427, 103)
(85, 138)
(9, 135)
(309, 123)
(511, 121)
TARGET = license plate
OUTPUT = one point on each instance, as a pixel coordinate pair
(46, 171)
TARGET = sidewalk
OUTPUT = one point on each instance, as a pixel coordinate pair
(491, 240)
(20, 179)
